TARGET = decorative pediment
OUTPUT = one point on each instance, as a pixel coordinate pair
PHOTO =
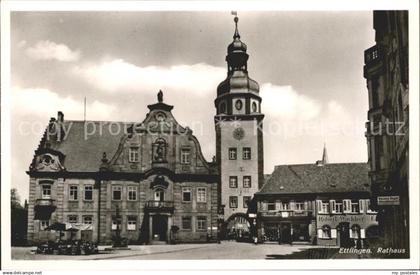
(48, 162)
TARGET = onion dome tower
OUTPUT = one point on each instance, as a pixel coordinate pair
(239, 135)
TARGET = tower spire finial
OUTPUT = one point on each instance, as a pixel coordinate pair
(324, 154)
(236, 19)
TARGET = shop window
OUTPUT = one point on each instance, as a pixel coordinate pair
(246, 151)
(355, 232)
(233, 182)
(186, 223)
(232, 153)
(132, 193)
(186, 194)
(88, 193)
(133, 154)
(131, 223)
(185, 156)
(233, 202)
(201, 223)
(247, 181)
(324, 232)
(201, 194)
(271, 205)
(116, 193)
(73, 192)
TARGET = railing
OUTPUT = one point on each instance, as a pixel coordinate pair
(45, 204)
(160, 205)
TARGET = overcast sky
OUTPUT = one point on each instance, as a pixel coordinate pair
(309, 66)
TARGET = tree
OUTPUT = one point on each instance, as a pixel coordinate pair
(19, 219)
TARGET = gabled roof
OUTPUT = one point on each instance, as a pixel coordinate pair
(83, 147)
(312, 178)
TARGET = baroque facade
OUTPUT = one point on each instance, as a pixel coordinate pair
(386, 73)
(149, 180)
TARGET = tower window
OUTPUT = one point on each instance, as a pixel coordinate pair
(238, 104)
(222, 108)
(133, 154)
(254, 107)
(247, 181)
(233, 182)
(246, 153)
(232, 153)
(233, 202)
(247, 199)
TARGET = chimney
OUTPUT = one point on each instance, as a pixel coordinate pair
(60, 116)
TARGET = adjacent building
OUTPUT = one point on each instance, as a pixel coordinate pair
(321, 203)
(148, 180)
(386, 73)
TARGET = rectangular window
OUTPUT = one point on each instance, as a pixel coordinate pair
(116, 193)
(44, 224)
(337, 207)
(271, 205)
(133, 154)
(355, 206)
(233, 202)
(87, 219)
(186, 194)
(246, 151)
(185, 156)
(131, 223)
(73, 193)
(247, 181)
(232, 153)
(132, 193)
(201, 223)
(88, 192)
(114, 224)
(299, 206)
(233, 182)
(346, 206)
(72, 219)
(247, 199)
(285, 206)
(323, 207)
(201, 194)
(186, 223)
(46, 191)
(369, 209)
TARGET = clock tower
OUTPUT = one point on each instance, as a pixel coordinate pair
(239, 135)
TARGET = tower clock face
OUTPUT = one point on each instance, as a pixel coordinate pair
(238, 133)
(238, 104)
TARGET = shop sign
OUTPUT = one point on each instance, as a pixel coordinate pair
(389, 200)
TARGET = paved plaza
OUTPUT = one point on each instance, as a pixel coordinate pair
(225, 250)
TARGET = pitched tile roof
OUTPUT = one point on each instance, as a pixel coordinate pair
(312, 178)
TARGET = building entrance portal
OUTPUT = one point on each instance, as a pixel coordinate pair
(344, 234)
(159, 228)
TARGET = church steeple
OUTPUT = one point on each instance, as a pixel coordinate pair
(324, 155)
